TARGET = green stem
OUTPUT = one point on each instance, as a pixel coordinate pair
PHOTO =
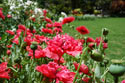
(116, 79)
(80, 63)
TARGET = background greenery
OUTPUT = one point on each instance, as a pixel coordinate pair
(116, 35)
(116, 43)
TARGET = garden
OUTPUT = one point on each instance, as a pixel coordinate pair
(45, 41)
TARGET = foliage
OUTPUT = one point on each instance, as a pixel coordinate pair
(36, 49)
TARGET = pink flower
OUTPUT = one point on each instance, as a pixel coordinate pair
(1, 15)
(123, 81)
(82, 30)
(49, 25)
(68, 20)
(61, 44)
(8, 52)
(9, 16)
(3, 70)
(39, 53)
(65, 76)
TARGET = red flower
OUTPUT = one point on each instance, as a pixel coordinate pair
(9, 16)
(53, 71)
(3, 70)
(57, 30)
(65, 76)
(68, 20)
(1, 15)
(44, 13)
(98, 40)
(89, 39)
(8, 52)
(49, 25)
(46, 30)
(16, 39)
(0, 38)
(38, 52)
(48, 20)
(82, 29)
(22, 27)
(48, 70)
(33, 19)
(83, 68)
(86, 79)
(58, 24)
(9, 46)
(123, 81)
(61, 44)
(10, 32)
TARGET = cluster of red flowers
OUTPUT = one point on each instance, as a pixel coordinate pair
(2, 16)
(54, 49)
(54, 71)
(4, 71)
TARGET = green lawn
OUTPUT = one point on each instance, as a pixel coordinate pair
(116, 26)
(116, 43)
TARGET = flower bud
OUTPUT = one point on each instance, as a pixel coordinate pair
(97, 55)
(105, 31)
(33, 46)
(106, 61)
(105, 40)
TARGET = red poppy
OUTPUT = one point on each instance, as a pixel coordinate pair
(48, 70)
(86, 79)
(8, 52)
(82, 30)
(89, 39)
(4, 71)
(58, 24)
(10, 32)
(44, 12)
(83, 68)
(22, 27)
(68, 20)
(98, 40)
(9, 46)
(54, 71)
(1, 15)
(48, 20)
(57, 30)
(9, 16)
(46, 30)
(49, 25)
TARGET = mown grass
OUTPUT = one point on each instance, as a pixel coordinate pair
(116, 37)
